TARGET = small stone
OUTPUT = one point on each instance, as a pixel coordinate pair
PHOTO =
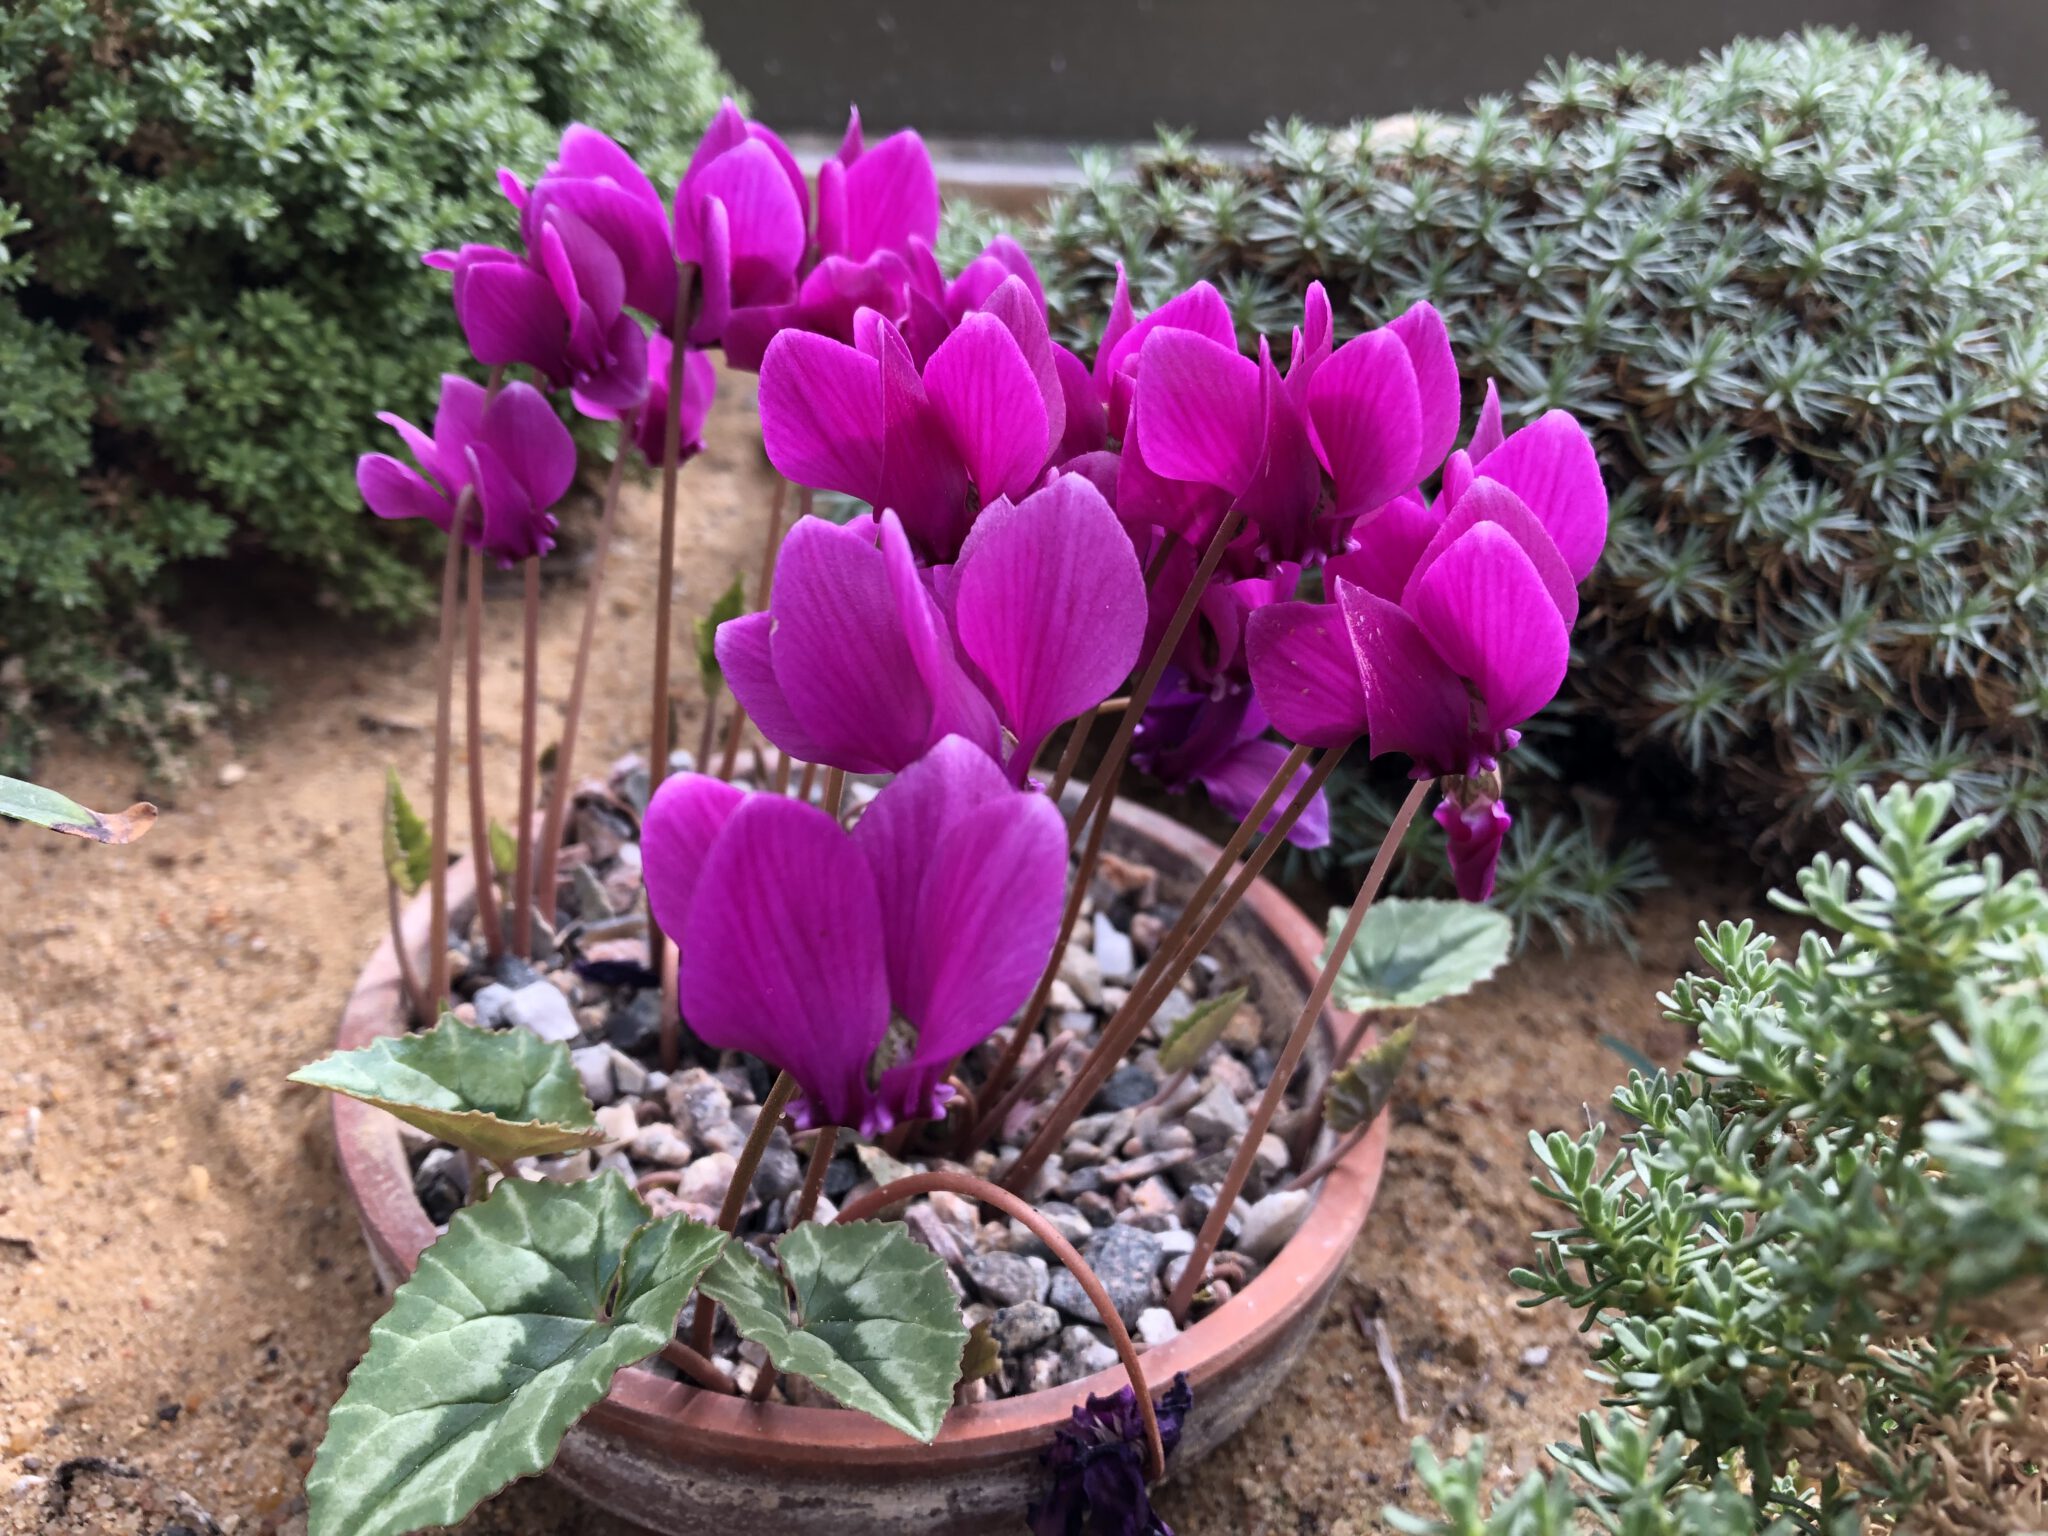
(1219, 1117)
(442, 1183)
(697, 1102)
(925, 1227)
(1051, 1178)
(573, 1169)
(780, 1172)
(1080, 970)
(1128, 1087)
(1144, 1167)
(593, 1065)
(1196, 1204)
(230, 775)
(960, 1214)
(658, 1143)
(515, 972)
(1152, 1198)
(1536, 1357)
(628, 1074)
(489, 1002)
(636, 1027)
(1175, 1241)
(1126, 1260)
(1273, 1221)
(1177, 1006)
(1096, 1206)
(1245, 1031)
(617, 1162)
(1272, 1158)
(1228, 1072)
(1156, 1327)
(1082, 1354)
(1168, 1136)
(706, 1180)
(1147, 929)
(619, 1123)
(1023, 1326)
(1042, 1371)
(1009, 1279)
(541, 1009)
(1062, 998)
(1114, 956)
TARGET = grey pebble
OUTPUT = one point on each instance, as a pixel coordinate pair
(1024, 1326)
(540, 1009)
(1009, 1279)
(1126, 1260)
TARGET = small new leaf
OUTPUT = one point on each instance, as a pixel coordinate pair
(504, 851)
(876, 1326)
(408, 850)
(502, 1094)
(511, 1328)
(1409, 953)
(981, 1357)
(1358, 1095)
(22, 801)
(730, 605)
(1200, 1029)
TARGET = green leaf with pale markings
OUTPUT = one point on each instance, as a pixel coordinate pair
(1409, 953)
(876, 1325)
(23, 801)
(502, 1094)
(504, 849)
(1357, 1095)
(511, 1328)
(408, 850)
(732, 602)
(1201, 1028)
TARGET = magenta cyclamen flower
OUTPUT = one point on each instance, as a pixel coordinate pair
(514, 452)
(742, 214)
(803, 944)
(650, 420)
(861, 663)
(978, 422)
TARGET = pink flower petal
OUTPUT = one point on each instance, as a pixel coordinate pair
(1285, 493)
(1551, 465)
(1414, 703)
(1198, 406)
(1423, 333)
(1486, 432)
(923, 478)
(523, 430)
(821, 414)
(892, 196)
(1474, 839)
(509, 314)
(514, 526)
(1367, 417)
(1488, 501)
(787, 962)
(766, 220)
(1305, 673)
(1087, 427)
(1389, 542)
(1487, 613)
(982, 389)
(1237, 779)
(1022, 312)
(746, 655)
(395, 490)
(676, 834)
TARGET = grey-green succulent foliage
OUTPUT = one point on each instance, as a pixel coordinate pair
(211, 215)
(1799, 290)
(1817, 1263)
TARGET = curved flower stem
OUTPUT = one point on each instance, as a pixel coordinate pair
(444, 689)
(408, 973)
(529, 769)
(1168, 964)
(1076, 739)
(564, 786)
(991, 1121)
(806, 1203)
(1290, 1057)
(479, 817)
(696, 1365)
(1333, 1157)
(972, 1188)
(743, 1181)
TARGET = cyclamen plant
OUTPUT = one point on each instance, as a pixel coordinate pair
(1049, 541)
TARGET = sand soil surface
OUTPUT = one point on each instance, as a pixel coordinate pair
(183, 1287)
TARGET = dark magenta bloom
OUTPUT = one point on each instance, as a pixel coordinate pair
(1475, 825)
(742, 214)
(803, 944)
(515, 454)
(650, 420)
(1191, 737)
(1098, 1466)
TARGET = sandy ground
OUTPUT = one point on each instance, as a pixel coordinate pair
(182, 1285)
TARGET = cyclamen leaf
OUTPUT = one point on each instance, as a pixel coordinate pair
(22, 801)
(876, 1324)
(730, 605)
(502, 1094)
(1201, 1028)
(499, 1342)
(1360, 1093)
(408, 850)
(504, 851)
(1409, 953)
(981, 1357)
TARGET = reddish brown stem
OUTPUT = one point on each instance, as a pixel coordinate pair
(972, 1188)
(734, 728)
(529, 767)
(1076, 739)
(707, 733)
(408, 973)
(665, 577)
(700, 1368)
(665, 960)
(991, 1123)
(1290, 1056)
(564, 786)
(1312, 1122)
(1336, 1155)
(479, 816)
(807, 783)
(835, 789)
(781, 772)
(444, 689)
(742, 1182)
(806, 1203)
(1160, 976)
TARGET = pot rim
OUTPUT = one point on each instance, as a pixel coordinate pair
(692, 1424)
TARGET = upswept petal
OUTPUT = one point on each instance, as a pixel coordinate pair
(1022, 311)
(509, 314)
(522, 429)
(892, 196)
(1458, 478)
(587, 152)
(1551, 465)
(1115, 327)
(458, 418)
(1367, 420)
(1237, 779)
(1049, 605)
(395, 490)
(1423, 333)
(1198, 405)
(1414, 703)
(1200, 309)
(1285, 493)
(1390, 541)
(792, 173)
(635, 229)
(422, 448)
(957, 705)
(1488, 501)
(746, 655)
(821, 414)
(1306, 674)
(726, 130)
(1145, 498)
(787, 964)
(514, 527)
(982, 389)
(1087, 426)
(766, 220)
(1486, 431)
(704, 235)
(923, 478)
(1485, 610)
(676, 834)
(1313, 340)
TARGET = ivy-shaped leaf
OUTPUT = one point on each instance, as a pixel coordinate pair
(511, 1328)
(1358, 1095)
(876, 1324)
(1409, 953)
(408, 849)
(504, 850)
(1201, 1028)
(732, 602)
(502, 1094)
(23, 801)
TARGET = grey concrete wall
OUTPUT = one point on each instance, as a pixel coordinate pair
(1109, 69)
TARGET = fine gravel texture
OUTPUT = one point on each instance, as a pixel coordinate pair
(183, 1286)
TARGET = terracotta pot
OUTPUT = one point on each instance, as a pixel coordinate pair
(683, 1461)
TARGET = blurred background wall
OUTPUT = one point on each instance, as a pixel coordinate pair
(1108, 70)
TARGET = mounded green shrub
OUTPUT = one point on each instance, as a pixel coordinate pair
(211, 215)
(1800, 291)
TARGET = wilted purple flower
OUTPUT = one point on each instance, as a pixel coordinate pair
(860, 665)
(514, 452)
(862, 964)
(1098, 1466)
(742, 214)
(1475, 822)
(650, 420)
(979, 421)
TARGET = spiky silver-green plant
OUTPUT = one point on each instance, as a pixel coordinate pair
(1800, 292)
